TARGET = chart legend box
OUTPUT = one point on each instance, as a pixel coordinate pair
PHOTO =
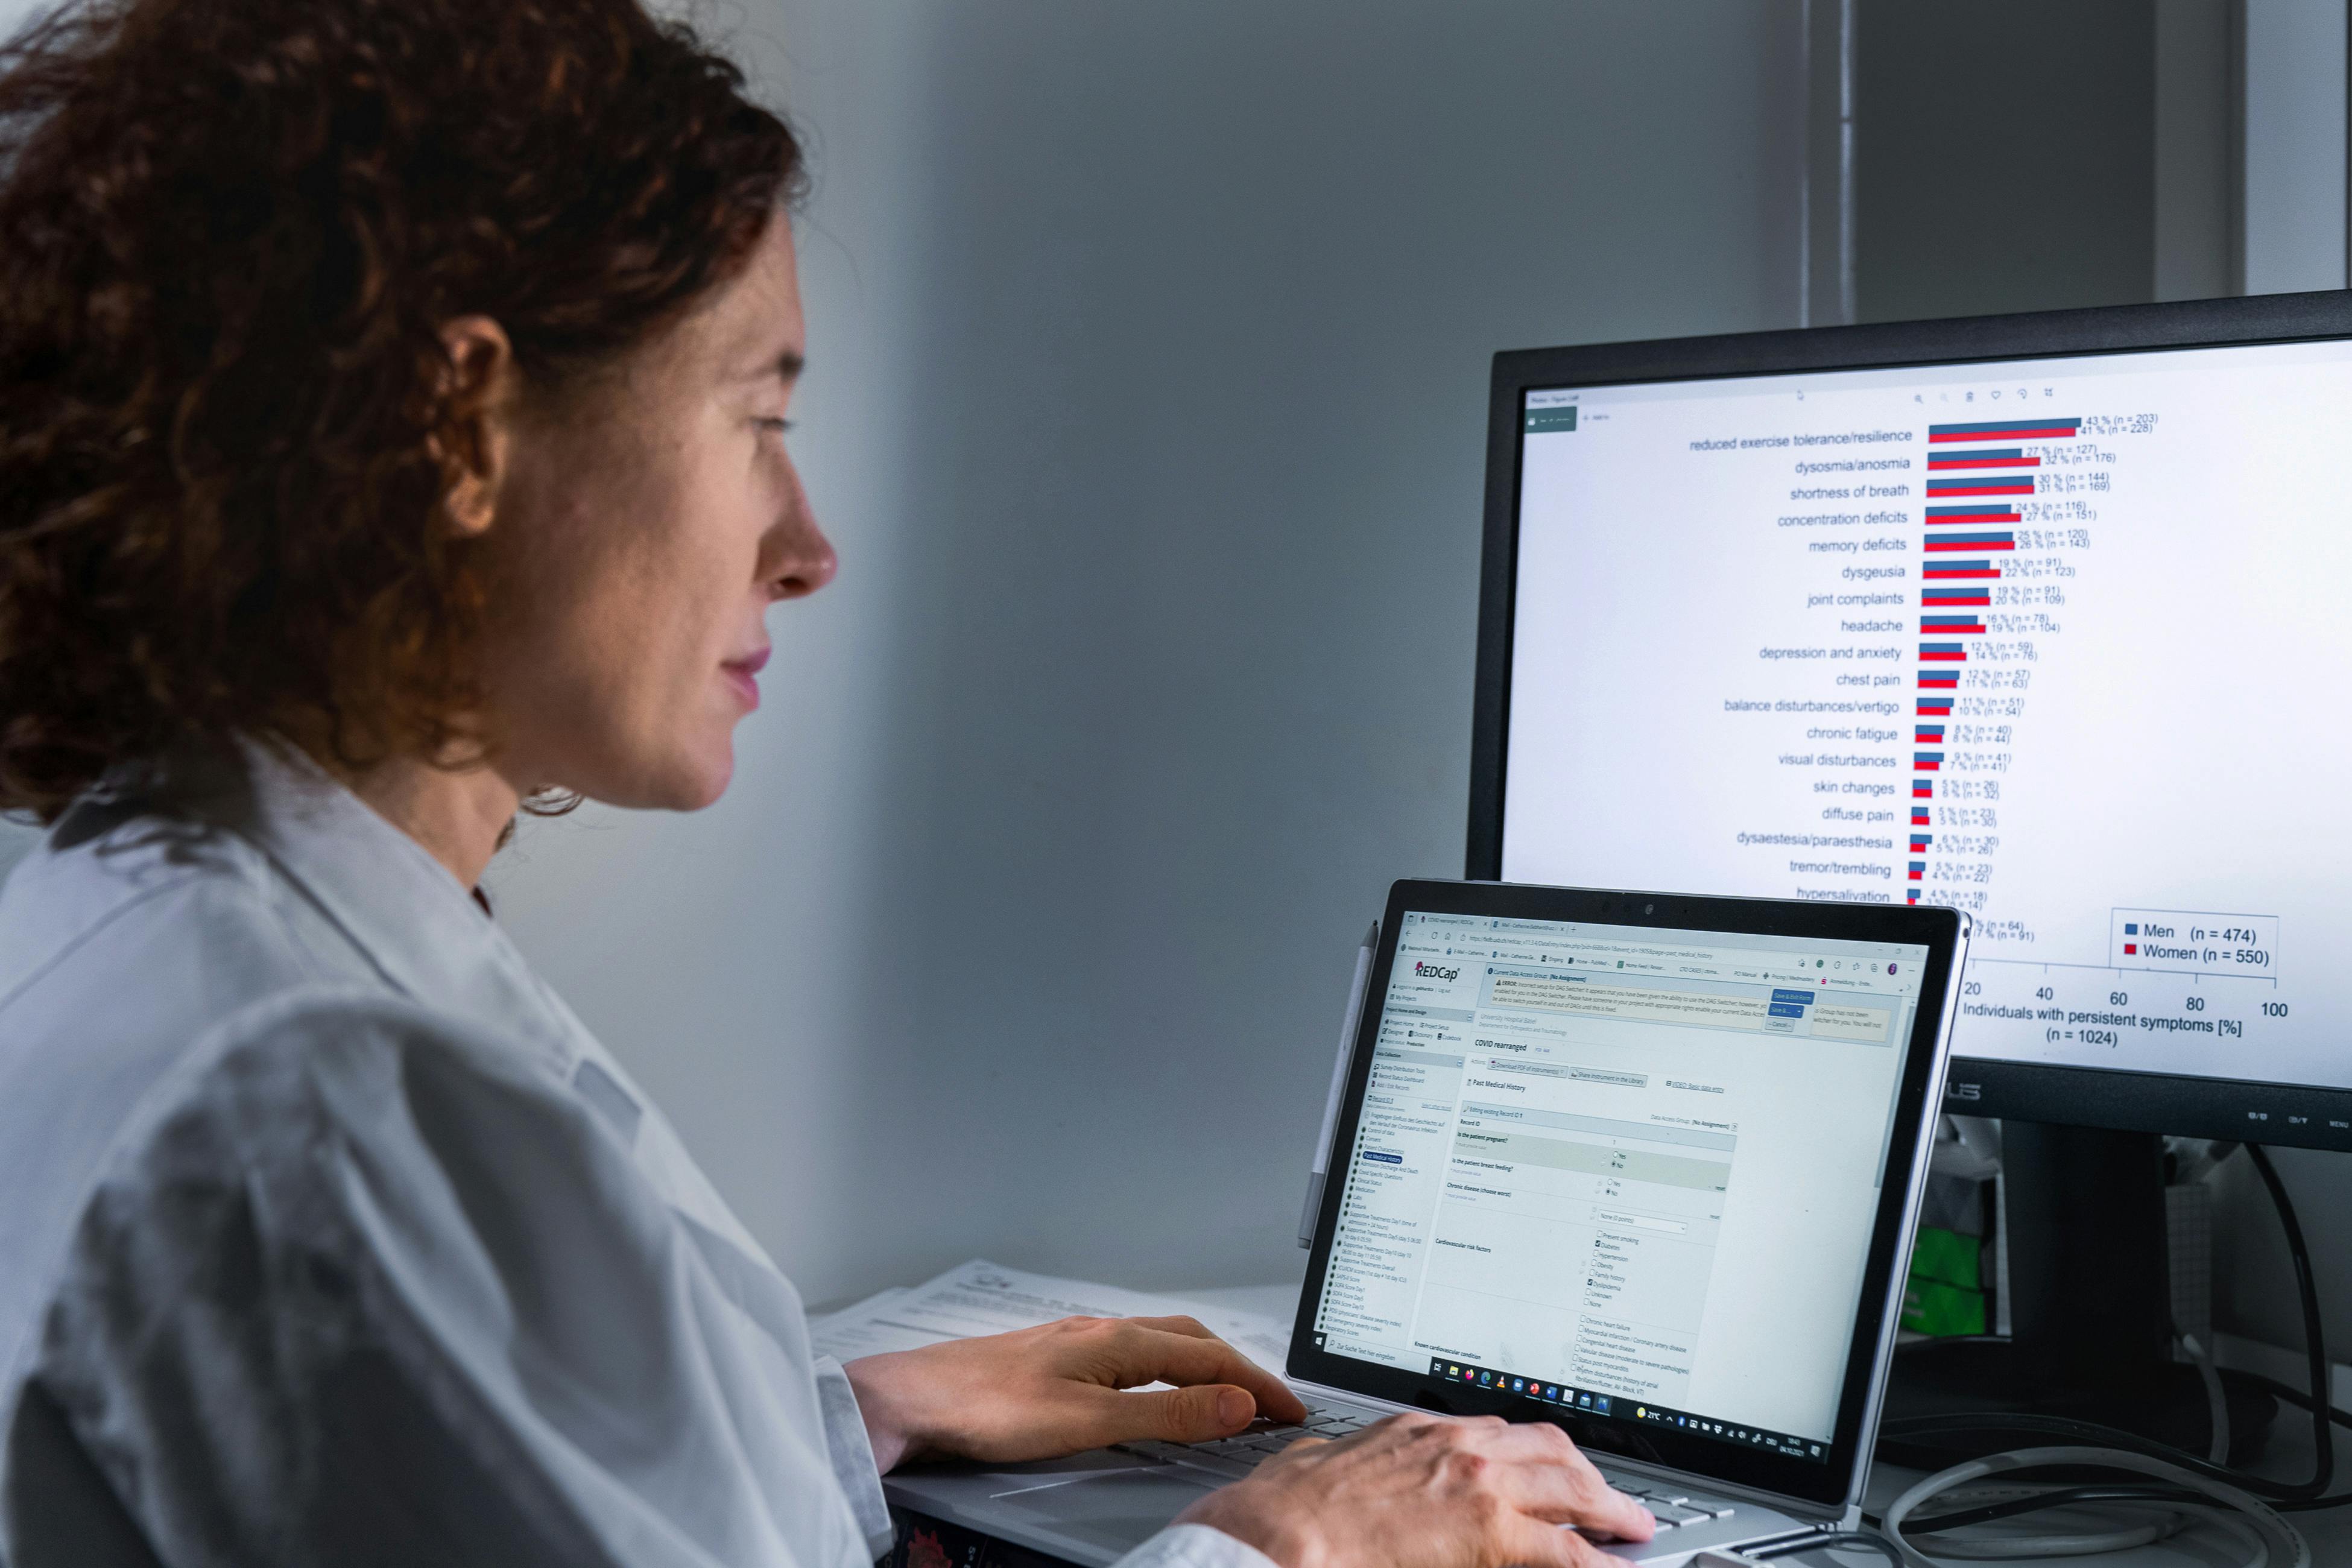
(2194, 941)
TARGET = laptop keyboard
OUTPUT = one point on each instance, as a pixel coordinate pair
(1235, 1456)
(1246, 1451)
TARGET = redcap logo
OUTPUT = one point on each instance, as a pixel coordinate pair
(1433, 971)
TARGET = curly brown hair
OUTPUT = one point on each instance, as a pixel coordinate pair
(233, 229)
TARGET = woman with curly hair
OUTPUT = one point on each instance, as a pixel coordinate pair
(391, 410)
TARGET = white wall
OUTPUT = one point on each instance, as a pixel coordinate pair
(1147, 403)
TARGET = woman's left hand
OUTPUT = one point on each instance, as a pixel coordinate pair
(1061, 1388)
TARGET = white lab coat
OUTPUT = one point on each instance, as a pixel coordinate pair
(329, 1234)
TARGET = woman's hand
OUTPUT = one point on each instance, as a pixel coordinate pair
(1059, 1388)
(1425, 1491)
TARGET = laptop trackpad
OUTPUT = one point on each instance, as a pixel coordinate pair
(1115, 1511)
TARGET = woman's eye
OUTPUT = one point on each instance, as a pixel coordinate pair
(778, 426)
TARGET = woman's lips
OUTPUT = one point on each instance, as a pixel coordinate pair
(744, 675)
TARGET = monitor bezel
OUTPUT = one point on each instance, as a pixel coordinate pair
(1828, 1482)
(2309, 1116)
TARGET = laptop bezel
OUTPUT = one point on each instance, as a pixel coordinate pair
(1830, 1482)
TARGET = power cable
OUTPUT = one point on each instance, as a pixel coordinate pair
(2314, 1343)
(2199, 1484)
(2236, 1505)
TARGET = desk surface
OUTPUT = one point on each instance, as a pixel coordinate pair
(2329, 1533)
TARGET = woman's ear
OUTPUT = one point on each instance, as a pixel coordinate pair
(473, 442)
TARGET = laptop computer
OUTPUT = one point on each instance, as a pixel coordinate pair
(1643, 1166)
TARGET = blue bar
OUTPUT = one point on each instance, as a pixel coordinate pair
(2022, 422)
(1936, 595)
(1960, 566)
(1975, 538)
(1927, 621)
(1918, 757)
(1975, 454)
(1793, 998)
(1786, 1010)
(1940, 647)
(1966, 510)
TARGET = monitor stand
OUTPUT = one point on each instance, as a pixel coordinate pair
(2090, 1312)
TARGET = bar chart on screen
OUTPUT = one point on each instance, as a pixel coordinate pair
(2051, 642)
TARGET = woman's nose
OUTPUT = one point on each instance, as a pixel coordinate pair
(802, 559)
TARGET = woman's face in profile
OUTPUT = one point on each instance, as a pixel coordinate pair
(640, 529)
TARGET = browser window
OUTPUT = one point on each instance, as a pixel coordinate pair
(1880, 635)
(1628, 1171)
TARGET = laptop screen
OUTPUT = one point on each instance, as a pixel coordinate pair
(1630, 1172)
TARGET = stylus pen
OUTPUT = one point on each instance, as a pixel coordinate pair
(1353, 1017)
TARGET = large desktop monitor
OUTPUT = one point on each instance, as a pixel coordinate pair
(2048, 617)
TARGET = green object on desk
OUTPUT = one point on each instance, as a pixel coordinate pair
(1945, 1294)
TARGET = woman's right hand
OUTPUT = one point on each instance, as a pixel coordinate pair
(1427, 1491)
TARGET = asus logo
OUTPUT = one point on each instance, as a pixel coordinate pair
(1433, 971)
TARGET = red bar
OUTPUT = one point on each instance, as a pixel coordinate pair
(1958, 544)
(1945, 658)
(1914, 876)
(1990, 485)
(1976, 516)
(1961, 462)
(2014, 433)
(1922, 789)
(1919, 819)
(1960, 601)
(1973, 630)
(1933, 571)
(1927, 767)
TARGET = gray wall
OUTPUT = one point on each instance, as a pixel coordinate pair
(1991, 174)
(2294, 145)
(1150, 345)
(1150, 348)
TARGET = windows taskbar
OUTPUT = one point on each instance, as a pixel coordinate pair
(1619, 1407)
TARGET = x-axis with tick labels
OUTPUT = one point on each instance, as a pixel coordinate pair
(2270, 980)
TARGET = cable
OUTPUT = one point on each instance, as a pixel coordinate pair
(2324, 1416)
(2297, 1398)
(2011, 1501)
(2217, 1404)
(2201, 1483)
(2088, 1433)
(2251, 1540)
(2060, 1497)
(2086, 1542)
(2315, 1344)
(2025, 1502)
(2273, 1526)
